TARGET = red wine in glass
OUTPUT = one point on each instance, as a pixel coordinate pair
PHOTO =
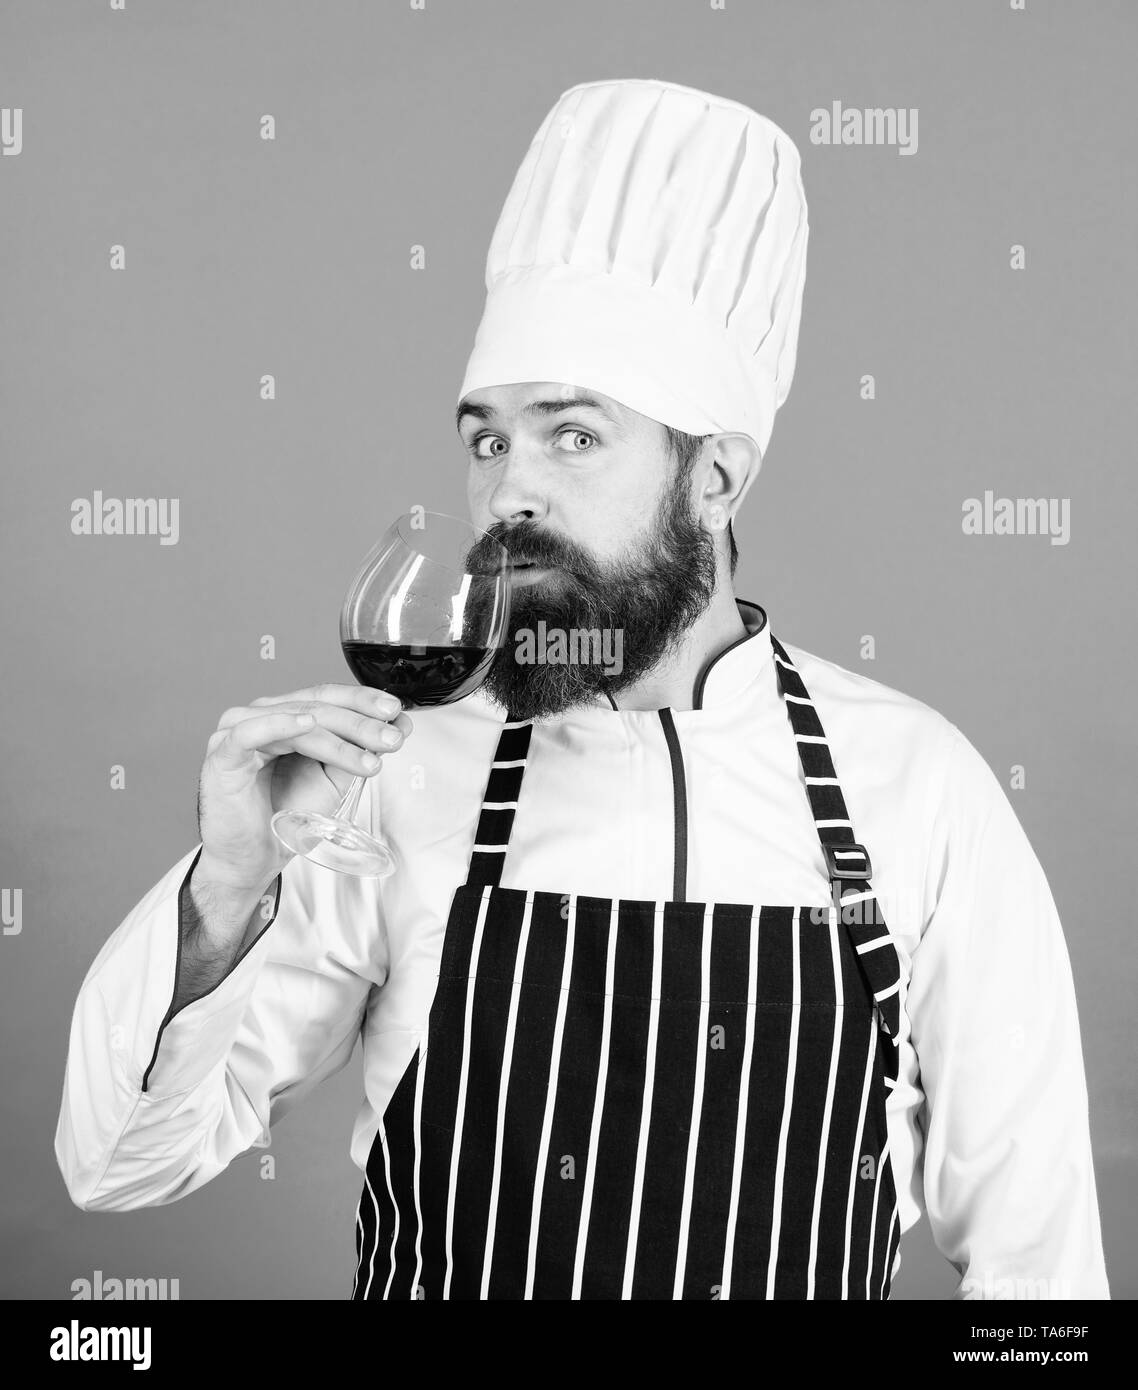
(419, 676)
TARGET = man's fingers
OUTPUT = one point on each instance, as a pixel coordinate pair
(367, 730)
(357, 697)
(270, 735)
(233, 745)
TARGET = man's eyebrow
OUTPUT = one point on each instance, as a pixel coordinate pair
(551, 407)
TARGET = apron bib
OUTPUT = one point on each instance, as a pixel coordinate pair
(633, 1099)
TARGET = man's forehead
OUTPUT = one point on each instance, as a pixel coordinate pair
(540, 398)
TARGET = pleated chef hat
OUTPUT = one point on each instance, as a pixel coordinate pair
(652, 247)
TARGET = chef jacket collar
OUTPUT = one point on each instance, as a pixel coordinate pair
(746, 665)
(740, 665)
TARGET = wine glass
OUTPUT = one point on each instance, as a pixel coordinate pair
(424, 620)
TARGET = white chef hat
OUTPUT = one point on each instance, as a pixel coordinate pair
(652, 247)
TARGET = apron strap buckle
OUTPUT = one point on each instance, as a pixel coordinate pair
(848, 862)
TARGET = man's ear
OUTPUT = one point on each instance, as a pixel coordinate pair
(732, 465)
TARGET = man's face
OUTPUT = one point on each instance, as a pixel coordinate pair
(587, 490)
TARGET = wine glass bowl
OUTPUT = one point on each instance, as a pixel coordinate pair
(423, 620)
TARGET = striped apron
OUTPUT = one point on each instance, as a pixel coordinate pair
(634, 1099)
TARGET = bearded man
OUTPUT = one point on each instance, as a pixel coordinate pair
(702, 974)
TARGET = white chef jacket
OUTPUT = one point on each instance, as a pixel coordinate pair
(988, 1124)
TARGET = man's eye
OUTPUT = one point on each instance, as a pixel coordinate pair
(577, 435)
(480, 447)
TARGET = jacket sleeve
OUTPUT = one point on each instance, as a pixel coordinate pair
(1009, 1181)
(155, 1105)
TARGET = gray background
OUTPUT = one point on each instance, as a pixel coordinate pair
(397, 127)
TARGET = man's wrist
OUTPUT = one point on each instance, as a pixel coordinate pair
(221, 908)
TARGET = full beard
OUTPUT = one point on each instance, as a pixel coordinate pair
(651, 599)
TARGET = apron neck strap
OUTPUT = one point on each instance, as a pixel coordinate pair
(845, 858)
(496, 819)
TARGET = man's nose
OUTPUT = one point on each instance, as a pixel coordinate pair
(518, 493)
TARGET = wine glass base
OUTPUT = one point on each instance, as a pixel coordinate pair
(333, 844)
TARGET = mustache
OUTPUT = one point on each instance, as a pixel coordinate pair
(528, 541)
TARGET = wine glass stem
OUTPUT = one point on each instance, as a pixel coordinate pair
(350, 804)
